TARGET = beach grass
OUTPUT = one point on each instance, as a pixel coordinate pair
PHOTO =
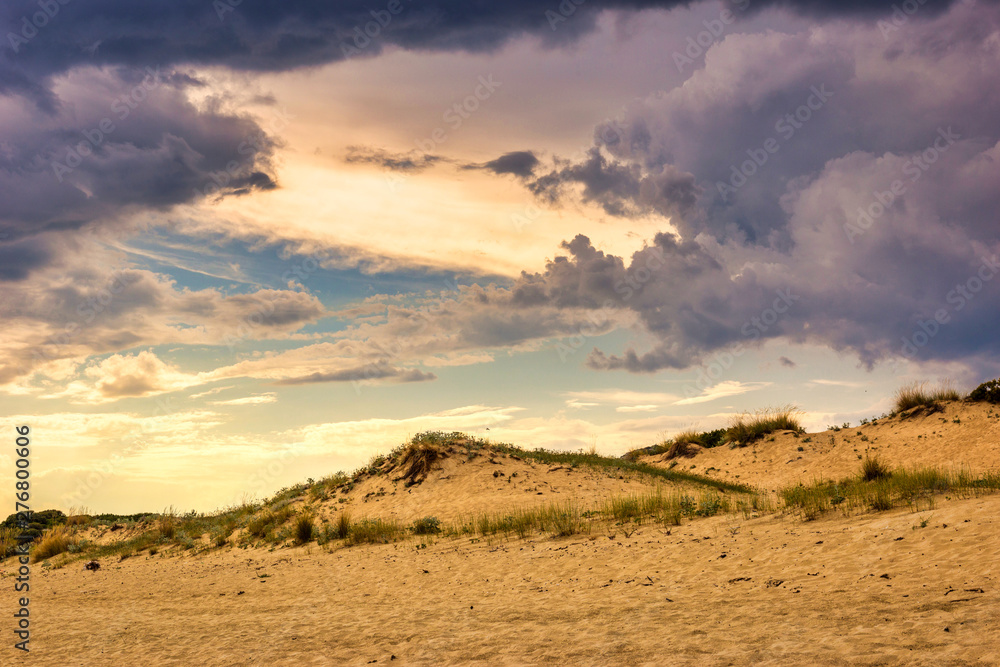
(750, 427)
(916, 394)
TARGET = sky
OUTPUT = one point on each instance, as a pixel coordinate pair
(246, 244)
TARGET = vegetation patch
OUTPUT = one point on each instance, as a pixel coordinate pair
(55, 541)
(416, 461)
(874, 487)
(750, 427)
(374, 531)
(304, 529)
(987, 392)
(429, 525)
(873, 468)
(917, 395)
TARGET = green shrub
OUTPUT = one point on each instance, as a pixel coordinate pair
(874, 468)
(304, 529)
(988, 392)
(266, 521)
(343, 527)
(374, 531)
(167, 523)
(429, 525)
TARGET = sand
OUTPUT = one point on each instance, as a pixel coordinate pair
(919, 440)
(869, 589)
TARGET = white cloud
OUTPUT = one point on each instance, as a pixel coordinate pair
(576, 399)
(257, 399)
(723, 389)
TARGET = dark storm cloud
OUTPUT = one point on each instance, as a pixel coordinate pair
(517, 163)
(408, 162)
(131, 141)
(857, 174)
(295, 33)
(18, 258)
(621, 189)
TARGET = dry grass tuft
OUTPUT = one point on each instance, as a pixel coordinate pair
(54, 542)
(750, 427)
(374, 531)
(916, 395)
(343, 528)
(874, 468)
(684, 444)
(417, 460)
(304, 529)
(167, 523)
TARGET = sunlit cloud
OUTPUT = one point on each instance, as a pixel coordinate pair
(723, 390)
(250, 400)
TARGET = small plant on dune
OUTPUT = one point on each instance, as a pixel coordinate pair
(711, 504)
(222, 532)
(77, 517)
(304, 529)
(710, 439)
(916, 395)
(54, 542)
(750, 427)
(682, 444)
(633, 455)
(429, 525)
(566, 521)
(882, 500)
(418, 458)
(167, 523)
(874, 468)
(374, 531)
(265, 522)
(342, 529)
(988, 392)
(8, 542)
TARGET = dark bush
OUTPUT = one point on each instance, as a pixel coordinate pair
(429, 525)
(988, 392)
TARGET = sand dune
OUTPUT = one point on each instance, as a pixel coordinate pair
(873, 588)
(921, 439)
(869, 590)
(460, 486)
